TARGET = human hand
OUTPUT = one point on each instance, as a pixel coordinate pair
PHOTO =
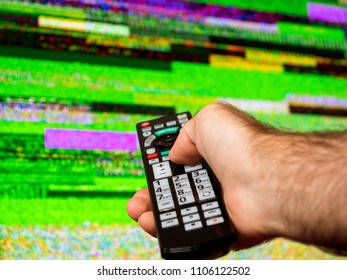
(274, 183)
(223, 136)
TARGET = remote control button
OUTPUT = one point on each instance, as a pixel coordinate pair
(162, 170)
(189, 210)
(165, 153)
(180, 178)
(194, 225)
(154, 160)
(192, 167)
(162, 189)
(149, 140)
(164, 196)
(168, 215)
(212, 213)
(166, 205)
(145, 124)
(206, 195)
(169, 223)
(202, 172)
(182, 185)
(165, 158)
(182, 116)
(184, 192)
(149, 128)
(191, 218)
(171, 123)
(147, 133)
(166, 131)
(152, 156)
(186, 199)
(150, 151)
(159, 126)
(161, 183)
(203, 187)
(209, 205)
(166, 141)
(181, 121)
(214, 221)
(202, 180)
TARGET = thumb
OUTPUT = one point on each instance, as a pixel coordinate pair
(184, 150)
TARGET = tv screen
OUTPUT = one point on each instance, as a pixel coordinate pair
(77, 75)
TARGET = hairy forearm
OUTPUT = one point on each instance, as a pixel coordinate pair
(310, 173)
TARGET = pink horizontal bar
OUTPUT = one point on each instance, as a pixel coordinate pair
(327, 13)
(75, 139)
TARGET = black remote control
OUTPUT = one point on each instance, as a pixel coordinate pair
(191, 219)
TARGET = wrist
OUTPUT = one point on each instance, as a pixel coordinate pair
(309, 180)
(255, 195)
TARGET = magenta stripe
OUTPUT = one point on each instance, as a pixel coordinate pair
(327, 13)
(90, 140)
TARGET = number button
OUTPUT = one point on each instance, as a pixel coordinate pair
(185, 199)
(180, 178)
(161, 183)
(163, 196)
(203, 187)
(182, 185)
(201, 180)
(161, 189)
(184, 192)
(199, 173)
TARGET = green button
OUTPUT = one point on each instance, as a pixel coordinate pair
(166, 131)
(165, 153)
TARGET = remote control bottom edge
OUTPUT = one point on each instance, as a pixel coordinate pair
(211, 250)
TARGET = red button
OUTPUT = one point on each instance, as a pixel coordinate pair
(152, 156)
(145, 124)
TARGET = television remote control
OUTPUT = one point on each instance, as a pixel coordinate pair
(191, 219)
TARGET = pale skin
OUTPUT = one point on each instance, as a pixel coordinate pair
(274, 183)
